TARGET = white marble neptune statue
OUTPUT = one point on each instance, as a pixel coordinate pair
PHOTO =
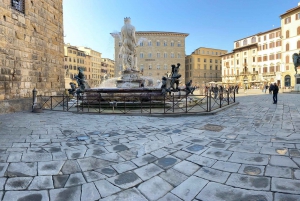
(128, 48)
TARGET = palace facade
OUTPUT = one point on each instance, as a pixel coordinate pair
(265, 57)
(31, 52)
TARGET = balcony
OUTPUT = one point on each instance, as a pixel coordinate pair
(266, 74)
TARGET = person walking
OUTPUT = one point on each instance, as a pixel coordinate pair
(275, 92)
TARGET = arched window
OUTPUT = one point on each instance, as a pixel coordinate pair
(70, 67)
(253, 40)
(287, 47)
(66, 66)
(298, 31)
(287, 34)
(298, 44)
(149, 43)
(287, 59)
(237, 44)
(287, 80)
(245, 42)
(141, 44)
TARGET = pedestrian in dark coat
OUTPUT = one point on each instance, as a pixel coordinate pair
(275, 92)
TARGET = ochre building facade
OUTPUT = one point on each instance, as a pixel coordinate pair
(31, 52)
(204, 66)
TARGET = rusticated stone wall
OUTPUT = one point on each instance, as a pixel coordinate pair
(31, 51)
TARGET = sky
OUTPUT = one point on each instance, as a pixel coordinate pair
(209, 23)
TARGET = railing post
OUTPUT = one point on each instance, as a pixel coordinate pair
(124, 104)
(173, 102)
(77, 103)
(150, 103)
(51, 101)
(68, 103)
(210, 100)
(234, 96)
(228, 97)
(99, 101)
(220, 97)
(186, 102)
(207, 100)
(34, 99)
(63, 102)
(164, 103)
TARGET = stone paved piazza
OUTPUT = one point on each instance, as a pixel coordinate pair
(248, 152)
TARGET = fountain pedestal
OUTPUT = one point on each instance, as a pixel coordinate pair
(129, 79)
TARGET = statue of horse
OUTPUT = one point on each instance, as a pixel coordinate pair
(296, 60)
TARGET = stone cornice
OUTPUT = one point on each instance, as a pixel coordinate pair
(157, 33)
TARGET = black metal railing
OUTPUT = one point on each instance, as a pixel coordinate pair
(138, 104)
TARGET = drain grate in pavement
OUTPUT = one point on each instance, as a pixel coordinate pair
(213, 127)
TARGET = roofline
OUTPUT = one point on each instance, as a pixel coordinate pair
(247, 46)
(259, 33)
(155, 33)
(289, 11)
(209, 48)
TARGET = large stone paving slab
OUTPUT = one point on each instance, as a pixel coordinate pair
(154, 188)
(249, 182)
(125, 180)
(130, 194)
(219, 192)
(21, 169)
(249, 158)
(26, 195)
(188, 190)
(66, 194)
(286, 185)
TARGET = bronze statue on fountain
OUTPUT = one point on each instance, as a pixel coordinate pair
(80, 78)
(296, 61)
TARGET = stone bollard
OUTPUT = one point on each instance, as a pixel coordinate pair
(35, 109)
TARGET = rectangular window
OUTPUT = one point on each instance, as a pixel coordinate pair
(165, 55)
(237, 62)
(287, 20)
(198, 66)
(19, 5)
(216, 67)
(158, 67)
(210, 61)
(165, 67)
(150, 67)
(253, 59)
(265, 58)
(297, 16)
(278, 56)
(204, 60)
(287, 68)
(278, 43)
(158, 55)
(265, 37)
(277, 68)
(141, 55)
(272, 69)
(198, 59)
(149, 55)
(210, 67)
(157, 43)
(204, 66)
(178, 55)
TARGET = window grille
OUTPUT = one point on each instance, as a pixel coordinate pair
(19, 5)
